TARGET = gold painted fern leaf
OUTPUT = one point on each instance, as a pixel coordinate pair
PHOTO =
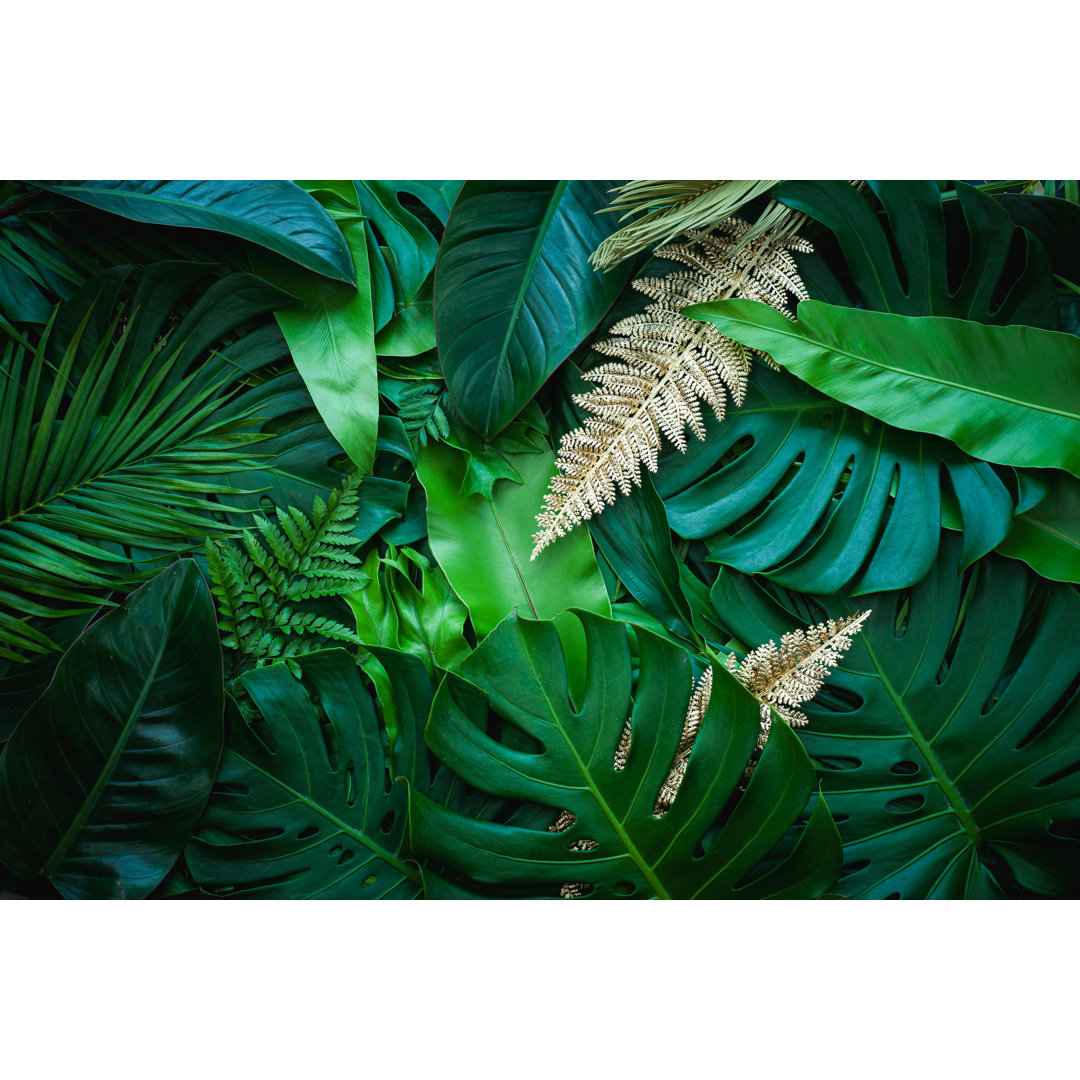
(663, 209)
(792, 674)
(664, 365)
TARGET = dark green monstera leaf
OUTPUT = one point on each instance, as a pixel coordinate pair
(510, 727)
(304, 805)
(820, 497)
(948, 740)
(920, 256)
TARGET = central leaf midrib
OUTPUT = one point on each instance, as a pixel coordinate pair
(948, 788)
(631, 850)
(403, 868)
(527, 272)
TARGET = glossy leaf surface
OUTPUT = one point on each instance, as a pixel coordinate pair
(275, 214)
(970, 383)
(948, 739)
(106, 775)
(1047, 537)
(920, 256)
(304, 806)
(514, 291)
(823, 498)
(559, 752)
(483, 546)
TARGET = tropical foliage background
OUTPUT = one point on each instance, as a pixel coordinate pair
(271, 458)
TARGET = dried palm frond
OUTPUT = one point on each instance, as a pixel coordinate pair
(785, 677)
(666, 208)
(665, 365)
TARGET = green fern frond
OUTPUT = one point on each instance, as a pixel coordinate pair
(421, 407)
(262, 583)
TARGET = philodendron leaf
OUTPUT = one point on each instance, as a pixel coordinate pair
(948, 739)
(274, 214)
(106, 775)
(483, 545)
(1047, 537)
(304, 805)
(1009, 394)
(547, 748)
(514, 291)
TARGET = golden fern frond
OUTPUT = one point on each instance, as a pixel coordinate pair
(699, 702)
(666, 208)
(792, 674)
(664, 366)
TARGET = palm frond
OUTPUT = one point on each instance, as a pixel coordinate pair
(664, 209)
(665, 365)
(110, 461)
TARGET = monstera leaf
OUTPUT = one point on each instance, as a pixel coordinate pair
(822, 498)
(304, 805)
(921, 257)
(546, 748)
(514, 291)
(948, 746)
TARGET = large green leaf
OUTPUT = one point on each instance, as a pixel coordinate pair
(331, 335)
(106, 775)
(274, 214)
(823, 498)
(922, 256)
(1009, 394)
(117, 452)
(948, 740)
(483, 546)
(559, 752)
(1047, 537)
(514, 291)
(304, 805)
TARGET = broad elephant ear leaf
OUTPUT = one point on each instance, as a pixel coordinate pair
(106, 775)
(921, 256)
(549, 749)
(514, 291)
(304, 805)
(948, 739)
(275, 214)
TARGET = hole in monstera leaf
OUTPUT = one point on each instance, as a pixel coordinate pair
(1061, 774)
(304, 834)
(231, 789)
(778, 489)
(388, 779)
(388, 821)
(1067, 830)
(900, 621)
(419, 210)
(825, 421)
(905, 768)
(346, 856)
(837, 764)
(893, 896)
(262, 834)
(699, 850)
(624, 888)
(368, 882)
(838, 699)
(906, 804)
(735, 451)
(853, 867)
(350, 785)
(1053, 714)
(335, 849)
(841, 818)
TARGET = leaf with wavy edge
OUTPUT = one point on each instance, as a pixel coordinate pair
(1008, 394)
